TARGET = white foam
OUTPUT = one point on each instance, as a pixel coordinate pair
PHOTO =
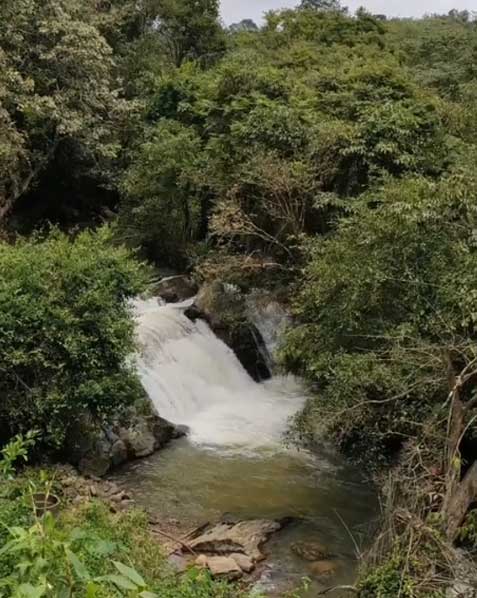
(194, 379)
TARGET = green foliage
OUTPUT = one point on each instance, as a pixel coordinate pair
(388, 581)
(190, 29)
(15, 450)
(47, 564)
(87, 551)
(65, 331)
(58, 93)
(290, 125)
(468, 531)
(164, 178)
(388, 296)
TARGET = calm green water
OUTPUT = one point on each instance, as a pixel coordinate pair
(327, 500)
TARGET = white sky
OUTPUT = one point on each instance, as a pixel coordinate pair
(236, 10)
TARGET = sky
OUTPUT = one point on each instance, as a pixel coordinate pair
(236, 10)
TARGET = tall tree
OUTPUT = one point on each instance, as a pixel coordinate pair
(190, 29)
(57, 89)
(327, 5)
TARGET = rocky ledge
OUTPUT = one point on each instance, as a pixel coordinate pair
(229, 550)
(224, 308)
(95, 450)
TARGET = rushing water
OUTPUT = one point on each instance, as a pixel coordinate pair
(234, 460)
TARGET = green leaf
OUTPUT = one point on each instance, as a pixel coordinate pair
(26, 590)
(122, 582)
(78, 566)
(147, 594)
(101, 548)
(130, 573)
(92, 590)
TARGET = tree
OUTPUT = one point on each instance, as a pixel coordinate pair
(323, 5)
(66, 332)
(243, 25)
(190, 29)
(161, 208)
(57, 90)
(389, 297)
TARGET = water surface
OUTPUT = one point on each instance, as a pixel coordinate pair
(234, 463)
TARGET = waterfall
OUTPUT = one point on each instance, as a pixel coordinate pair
(271, 320)
(194, 379)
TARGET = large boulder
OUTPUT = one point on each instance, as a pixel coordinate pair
(175, 289)
(96, 450)
(224, 308)
(147, 435)
(245, 537)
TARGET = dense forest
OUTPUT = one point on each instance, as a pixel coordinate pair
(327, 156)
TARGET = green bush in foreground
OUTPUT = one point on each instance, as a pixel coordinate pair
(65, 332)
(87, 551)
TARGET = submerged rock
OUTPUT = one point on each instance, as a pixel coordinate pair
(310, 551)
(176, 289)
(245, 537)
(323, 568)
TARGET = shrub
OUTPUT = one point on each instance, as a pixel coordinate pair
(87, 551)
(389, 310)
(65, 332)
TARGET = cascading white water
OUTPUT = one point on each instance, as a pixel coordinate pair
(270, 319)
(194, 379)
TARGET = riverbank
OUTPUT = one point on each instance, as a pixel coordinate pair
(95, 543)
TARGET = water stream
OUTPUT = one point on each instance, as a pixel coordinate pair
(234, 460)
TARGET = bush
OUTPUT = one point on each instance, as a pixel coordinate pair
(87, 551)
(388, 310)
(65, 332)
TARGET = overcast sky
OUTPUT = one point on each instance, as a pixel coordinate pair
(236, 10)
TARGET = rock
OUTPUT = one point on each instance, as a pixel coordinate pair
(163, 431)
(224, 567)
(243, 561)
(180, 431)
(96, 450)
(95, 464)
(465, 584)
(176, 288)
(179, 563)
(141, 441)
(310, 551)
(245, 537)
(224, 308)
(111, 488)
(119, 453)
(149, 434)
(201, 561)
(323, 568)
(119, 497)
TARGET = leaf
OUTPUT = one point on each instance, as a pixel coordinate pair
(147, 594)
(77, 534)
(130, 573)
(26, 590)
(78, 566)
(101, 548)
(92, 590)
(122, 582)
